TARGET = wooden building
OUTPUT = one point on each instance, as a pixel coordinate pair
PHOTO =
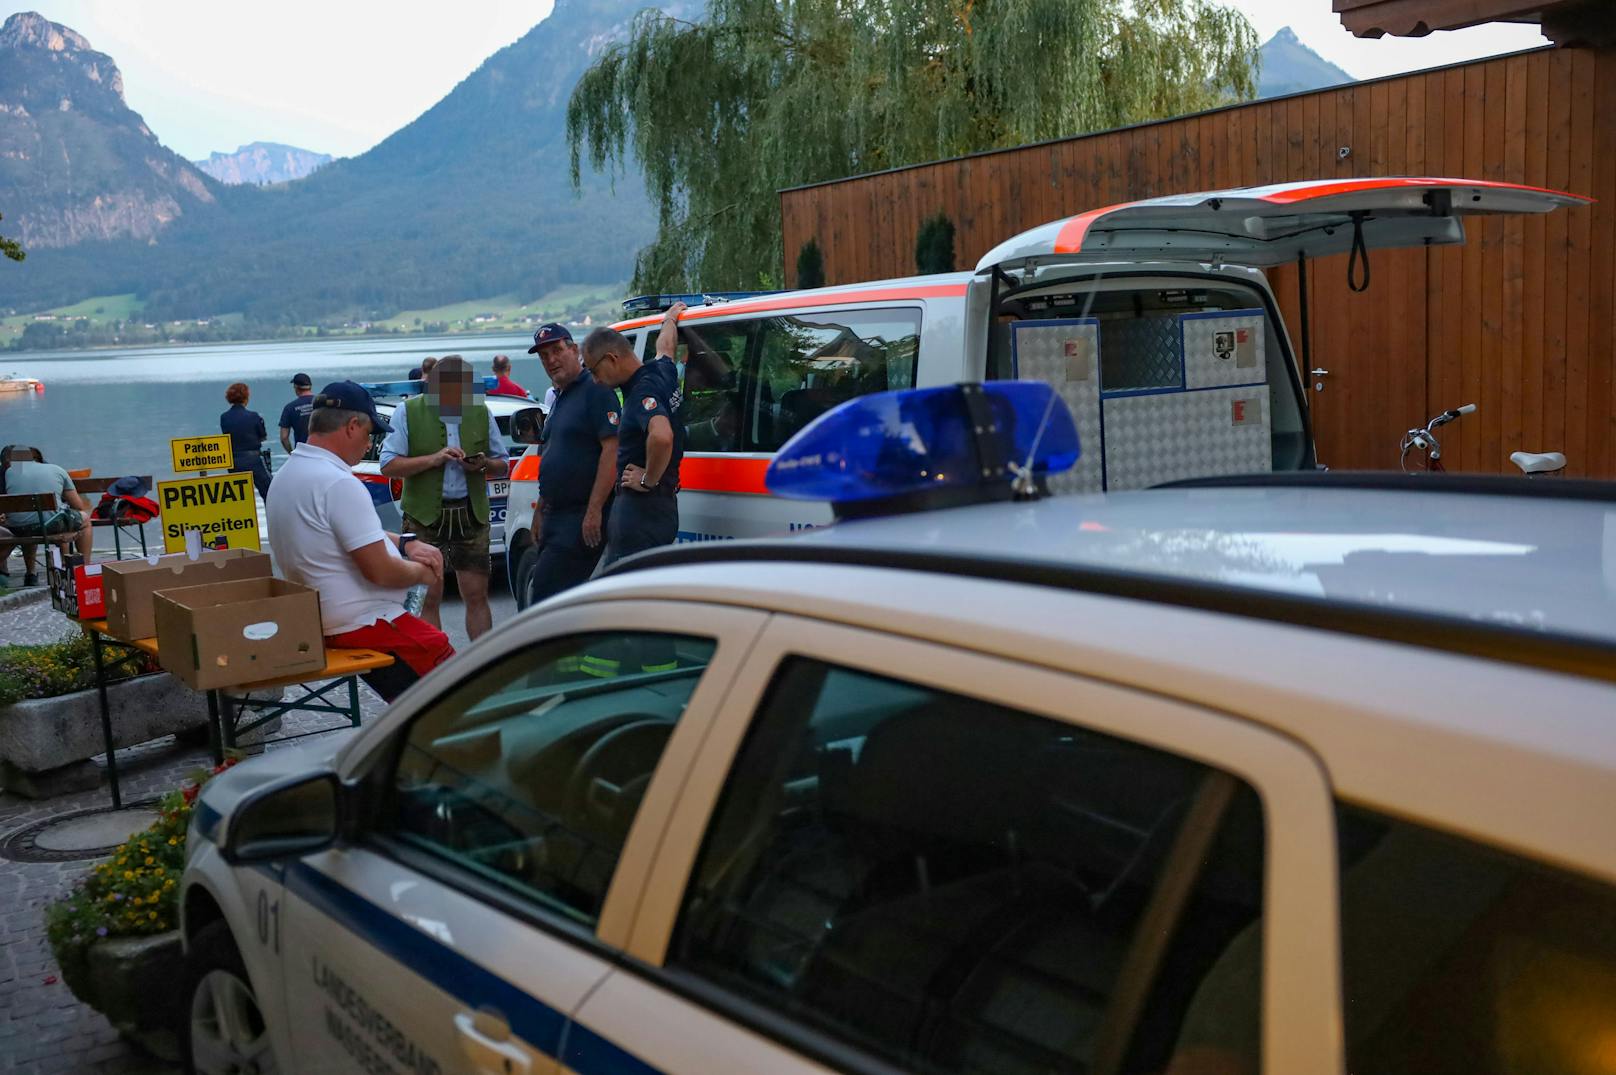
(1521, 320)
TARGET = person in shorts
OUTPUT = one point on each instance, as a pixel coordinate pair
(326, 535)
(28, 474)
(445, 447)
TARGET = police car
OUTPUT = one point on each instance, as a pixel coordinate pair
(385, 492)
(1280, 773)
(1153, 319)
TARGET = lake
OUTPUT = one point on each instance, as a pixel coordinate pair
(115, 410)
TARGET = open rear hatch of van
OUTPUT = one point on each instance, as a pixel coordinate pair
(1274, 225)
(1156, 326)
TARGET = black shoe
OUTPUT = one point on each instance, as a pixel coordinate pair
(30, 580)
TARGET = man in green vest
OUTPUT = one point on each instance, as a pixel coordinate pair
(446, 448)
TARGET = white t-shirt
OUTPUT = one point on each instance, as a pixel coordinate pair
(319, 513)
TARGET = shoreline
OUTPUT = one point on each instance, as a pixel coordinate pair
(33, 354)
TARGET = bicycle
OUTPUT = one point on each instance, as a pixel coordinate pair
(1532, 464)
(1424, 438)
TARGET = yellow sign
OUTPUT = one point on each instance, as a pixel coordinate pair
(192, 454)
(221, 507)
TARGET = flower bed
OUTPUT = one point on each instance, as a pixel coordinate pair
(116, 934)
(55, 668)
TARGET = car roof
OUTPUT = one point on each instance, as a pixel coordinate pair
(1491, 567)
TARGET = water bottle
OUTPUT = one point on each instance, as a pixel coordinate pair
(415, 598)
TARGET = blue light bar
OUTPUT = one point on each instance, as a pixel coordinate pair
(655, 304)
(945, 444)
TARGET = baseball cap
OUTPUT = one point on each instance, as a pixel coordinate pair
(301, 380)
(549, 334)
(350, 397)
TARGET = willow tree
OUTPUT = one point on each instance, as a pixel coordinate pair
(720, 114)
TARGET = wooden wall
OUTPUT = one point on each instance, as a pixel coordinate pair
(1518, 321)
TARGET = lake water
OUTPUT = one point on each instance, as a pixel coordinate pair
(116, 410)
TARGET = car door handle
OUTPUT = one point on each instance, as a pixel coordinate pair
(1320, 373)
(485, 1039)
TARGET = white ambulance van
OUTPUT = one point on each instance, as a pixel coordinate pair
(1153, 319)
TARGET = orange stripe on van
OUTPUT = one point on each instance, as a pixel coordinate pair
(526, 469)
(715, 474)
(804, 300)
(1069, 240)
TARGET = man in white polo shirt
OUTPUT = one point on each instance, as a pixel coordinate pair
(325, 534)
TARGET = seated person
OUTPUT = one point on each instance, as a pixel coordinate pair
(325, 534)
(27, 473)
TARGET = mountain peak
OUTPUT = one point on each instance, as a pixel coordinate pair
(30, 36)
(30, 29)
(1289, 66)
(262, 162)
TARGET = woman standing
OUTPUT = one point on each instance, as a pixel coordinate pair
(247, 435)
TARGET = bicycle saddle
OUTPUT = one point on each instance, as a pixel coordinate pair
(1538, 462)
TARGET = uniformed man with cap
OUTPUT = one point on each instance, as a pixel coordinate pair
(295, 415)
(579, 468)
(651, 438)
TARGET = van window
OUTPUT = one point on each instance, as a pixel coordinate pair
(750, 385)
(954, 886)
(1461, 960)
(810, 363)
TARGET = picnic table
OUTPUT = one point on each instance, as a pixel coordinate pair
(342, 669)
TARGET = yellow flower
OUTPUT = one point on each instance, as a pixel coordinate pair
(121, 860)
(149, 860)
(129, 875)
(168, 884)
(172, 840)
(151, 914)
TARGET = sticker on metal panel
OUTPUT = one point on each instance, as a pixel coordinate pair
(1079, 358)
(1246, 412)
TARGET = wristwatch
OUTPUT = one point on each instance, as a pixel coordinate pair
(642, 481)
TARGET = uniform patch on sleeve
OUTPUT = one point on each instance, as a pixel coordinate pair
(649, 403)
(611, 416)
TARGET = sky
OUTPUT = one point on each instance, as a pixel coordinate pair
(338, 77)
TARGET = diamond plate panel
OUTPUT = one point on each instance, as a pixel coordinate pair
(1155, 439)
(1065, 354)
(1141, 352)
(1224, 348)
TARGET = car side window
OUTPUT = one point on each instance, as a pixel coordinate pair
(1460, 959)
(530, 774)
(808, 363)
(954, 886)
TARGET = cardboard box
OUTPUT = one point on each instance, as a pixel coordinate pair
(224, 634)
(130, 584)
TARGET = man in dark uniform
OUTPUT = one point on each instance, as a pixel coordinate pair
(579, 467)
(651, 438)
(295, 415)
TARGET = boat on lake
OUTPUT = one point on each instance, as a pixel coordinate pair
(14, 383)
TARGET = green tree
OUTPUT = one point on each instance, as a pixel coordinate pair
(934, 246)
(810, 265)
(9, 247)
(763, 94)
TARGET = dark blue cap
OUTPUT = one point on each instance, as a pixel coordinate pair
(550, 333)
(350, 397)
(301, 380)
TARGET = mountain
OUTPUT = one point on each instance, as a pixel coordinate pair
(262, 162)
(76, 163)
(1288, 66)
(471, 199)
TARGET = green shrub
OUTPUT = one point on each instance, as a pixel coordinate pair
(934, 246)
(53, 668)
(810, 266)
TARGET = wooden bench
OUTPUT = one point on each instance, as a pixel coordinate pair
(39, 505)
(342, 668)
(101, 485)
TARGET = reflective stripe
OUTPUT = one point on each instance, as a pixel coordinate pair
(599, 667)
(806, 299)
(470, 983)
(717, 474)
(670, 666)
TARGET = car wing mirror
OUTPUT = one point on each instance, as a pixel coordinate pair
(526, 425)
(285, 819)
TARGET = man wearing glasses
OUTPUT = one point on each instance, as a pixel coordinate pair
(650, 440)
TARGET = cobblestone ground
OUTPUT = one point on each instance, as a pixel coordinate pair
(43, 1028)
